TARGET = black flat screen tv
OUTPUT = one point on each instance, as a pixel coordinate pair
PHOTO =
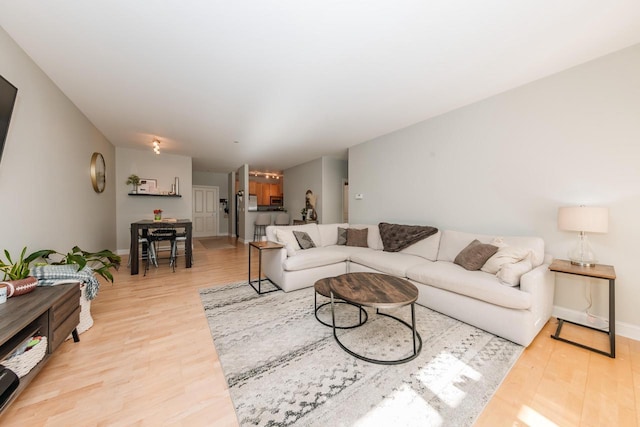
(8, 94)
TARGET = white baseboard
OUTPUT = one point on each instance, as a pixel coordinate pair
(623, 329)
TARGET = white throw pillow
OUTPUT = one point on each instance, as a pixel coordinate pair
(287, 238)
(510, 274)
(505, 255)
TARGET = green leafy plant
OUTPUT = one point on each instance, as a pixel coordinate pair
(303, 212)
(20, 268)
(133, 180)
(100, 262)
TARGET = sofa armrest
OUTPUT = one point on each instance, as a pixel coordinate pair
(272, 260)
(540, 283)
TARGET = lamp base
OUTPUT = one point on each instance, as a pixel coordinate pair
(583, 263)
(582, 254)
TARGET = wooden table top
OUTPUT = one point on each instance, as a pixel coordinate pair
(265, 244)
(600, 271)
(374, 290)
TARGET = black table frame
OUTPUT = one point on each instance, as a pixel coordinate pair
(612, 322)
(145, 225)
(417, 339)
(260, 246)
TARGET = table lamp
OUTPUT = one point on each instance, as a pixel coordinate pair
(584, 219)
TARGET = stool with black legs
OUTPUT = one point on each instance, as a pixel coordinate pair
(260, 226)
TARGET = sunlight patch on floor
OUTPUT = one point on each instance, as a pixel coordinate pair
(533, 418)
(443, 374)
(403, 407)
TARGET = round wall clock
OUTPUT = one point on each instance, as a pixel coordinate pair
(98, 172)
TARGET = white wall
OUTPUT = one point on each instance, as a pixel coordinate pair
(164, 168)
(45, 186)
(504, 165)
(299, 179)
(220, 180)
(334, 171)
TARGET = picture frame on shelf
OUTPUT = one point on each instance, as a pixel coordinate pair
(148, 186)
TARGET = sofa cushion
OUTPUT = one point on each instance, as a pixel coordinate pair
(357, 237)
(315, 257)
(304, 240)
(289, 241)
(452, 242)
(310, 229)
(475, 255)
(425, 248)
(328, 234)
(393, 263)
(475, 284)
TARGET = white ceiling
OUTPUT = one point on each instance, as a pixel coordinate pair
(293, 80)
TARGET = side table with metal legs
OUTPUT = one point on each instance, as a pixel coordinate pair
(261, 246)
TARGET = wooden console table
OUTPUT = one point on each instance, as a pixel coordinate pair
(50, 311)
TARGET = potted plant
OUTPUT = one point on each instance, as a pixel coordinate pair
(135, 181)
(100, 262)
(17, 273)
(303, 212)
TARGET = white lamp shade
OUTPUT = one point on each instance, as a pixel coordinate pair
(583, 218)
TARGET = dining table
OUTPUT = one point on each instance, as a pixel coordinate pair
(142, 227)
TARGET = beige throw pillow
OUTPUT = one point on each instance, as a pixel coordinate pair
(505, 255)
(510, 274)
(475, 255)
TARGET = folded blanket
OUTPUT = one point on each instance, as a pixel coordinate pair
(51, 275)
(396, 237)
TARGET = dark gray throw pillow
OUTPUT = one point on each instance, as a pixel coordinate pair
(342, 236)
(304, 240)
(475, 255)
(357, 237)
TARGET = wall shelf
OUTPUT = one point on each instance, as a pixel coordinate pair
(155, 195)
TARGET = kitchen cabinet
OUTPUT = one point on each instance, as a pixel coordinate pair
(264, 191)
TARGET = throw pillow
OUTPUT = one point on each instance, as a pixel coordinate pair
(357, 237)
(475, 255)
(287, 238)
(510, 274)
(505, 255)
(342, 236)
(304, 240)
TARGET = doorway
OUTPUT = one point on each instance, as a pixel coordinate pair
(205, 211)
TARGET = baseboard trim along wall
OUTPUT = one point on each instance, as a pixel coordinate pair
(623, 329)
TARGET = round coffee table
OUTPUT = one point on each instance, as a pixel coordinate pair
(379, 291)
(322, 288)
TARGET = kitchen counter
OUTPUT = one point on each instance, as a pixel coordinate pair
(271, 209)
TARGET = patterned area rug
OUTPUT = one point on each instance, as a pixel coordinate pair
(285, 368)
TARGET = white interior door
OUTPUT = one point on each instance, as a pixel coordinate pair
(205, 211)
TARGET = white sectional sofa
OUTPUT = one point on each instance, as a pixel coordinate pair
(516, 313)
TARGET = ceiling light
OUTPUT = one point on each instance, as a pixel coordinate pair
(156, 146)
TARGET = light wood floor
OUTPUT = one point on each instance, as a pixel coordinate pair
(149, 360)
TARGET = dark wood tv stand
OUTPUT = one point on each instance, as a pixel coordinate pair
(51, 311)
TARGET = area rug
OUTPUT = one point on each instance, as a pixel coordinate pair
(284, 368)
(216, 243)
